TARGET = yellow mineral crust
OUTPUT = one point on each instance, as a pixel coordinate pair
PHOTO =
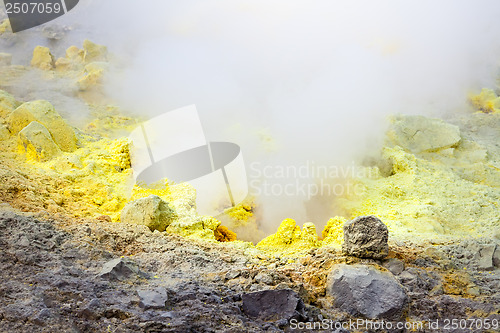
(241, 213)
(333, 233)
(487, 101)
(223, 234)
(426, 199)
(289, 239)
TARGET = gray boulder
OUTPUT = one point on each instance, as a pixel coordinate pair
(364, 291)
(152, 212)
(366, 237)
(273, 305)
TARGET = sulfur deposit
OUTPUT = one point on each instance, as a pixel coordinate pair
(290, 239)
(487, 101)
(438, 185)
(42, 58)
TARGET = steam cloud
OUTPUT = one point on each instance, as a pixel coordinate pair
(295, 81)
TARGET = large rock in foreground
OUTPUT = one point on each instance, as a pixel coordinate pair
(152, 212)
(366, 237)
(364, 291)
(273, 305)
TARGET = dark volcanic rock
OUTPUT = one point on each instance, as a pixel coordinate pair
(395, 266)
(273, 304)
(120, 269)
(364, 291)
(366, 237)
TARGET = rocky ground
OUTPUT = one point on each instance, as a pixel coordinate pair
(93, 276)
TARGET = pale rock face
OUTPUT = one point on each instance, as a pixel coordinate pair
(42, 58)
(44, 113)
(37, 142)
(152, 212)
(419, 134)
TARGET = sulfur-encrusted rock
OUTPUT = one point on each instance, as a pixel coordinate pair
(366, 237)
(63, 64)
(291, 238)
(94, 52)
(72, 61)
(364, 291)
(223, 234)
(487, 101)
(419, 134)
(37, 142)
(75, 54)
(197, 226)
(5, 59)
(43, 112)
(152, 212)
(42, 58)
(7, 103)
(92, 75)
